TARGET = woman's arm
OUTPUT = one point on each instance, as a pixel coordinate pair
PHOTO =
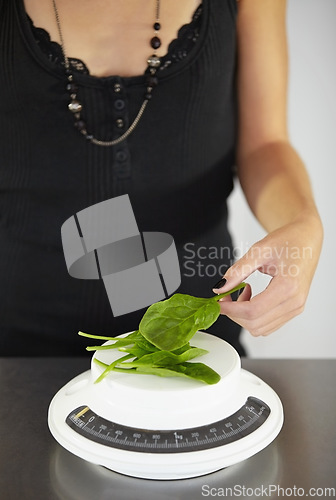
(272, 176)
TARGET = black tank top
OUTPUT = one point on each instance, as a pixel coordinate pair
(176, 167)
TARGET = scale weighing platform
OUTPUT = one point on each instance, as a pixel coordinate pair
(151, 427)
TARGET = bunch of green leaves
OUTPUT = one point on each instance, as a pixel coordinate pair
(161, 344)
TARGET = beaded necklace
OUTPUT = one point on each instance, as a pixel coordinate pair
(76, 107)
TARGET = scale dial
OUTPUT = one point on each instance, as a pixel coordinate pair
(150, 427)
(246, 420)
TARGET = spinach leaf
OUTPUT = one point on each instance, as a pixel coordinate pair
(111, 367)
(161, 345)
(135, 350)
(180, 350)
(131, 338)
(197, 371)
(171, 323)
(145, 345)
(165, 358)
(101, 337)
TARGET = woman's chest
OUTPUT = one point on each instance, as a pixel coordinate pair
(112, 37)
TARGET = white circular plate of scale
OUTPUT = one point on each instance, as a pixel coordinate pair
(167, 428)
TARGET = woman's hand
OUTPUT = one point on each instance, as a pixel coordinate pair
(289, 255)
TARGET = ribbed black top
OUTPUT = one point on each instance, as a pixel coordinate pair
(176, 168)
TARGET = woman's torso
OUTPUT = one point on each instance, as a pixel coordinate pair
(176, 168)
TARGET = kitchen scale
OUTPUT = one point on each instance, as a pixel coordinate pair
(151, 427)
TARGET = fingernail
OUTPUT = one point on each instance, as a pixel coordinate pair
(220, 283)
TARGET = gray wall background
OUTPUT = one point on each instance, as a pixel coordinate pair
(312, 124)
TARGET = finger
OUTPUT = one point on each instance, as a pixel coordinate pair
(266, 303)
(271, 326)
(263, 326)
(245, 293)
(274, 294)
(227, 298)
(239, 271)
(262, 322)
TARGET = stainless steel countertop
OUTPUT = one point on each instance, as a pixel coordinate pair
(33, 466)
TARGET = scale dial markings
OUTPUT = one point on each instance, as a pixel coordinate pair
(246, 420)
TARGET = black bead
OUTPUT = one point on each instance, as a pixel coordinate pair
(80, 125)
(157, 26)
(72, 87)
(148, 96)
(155, 42)
(152, 81)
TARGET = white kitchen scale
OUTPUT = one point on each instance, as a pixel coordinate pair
(151, 427)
